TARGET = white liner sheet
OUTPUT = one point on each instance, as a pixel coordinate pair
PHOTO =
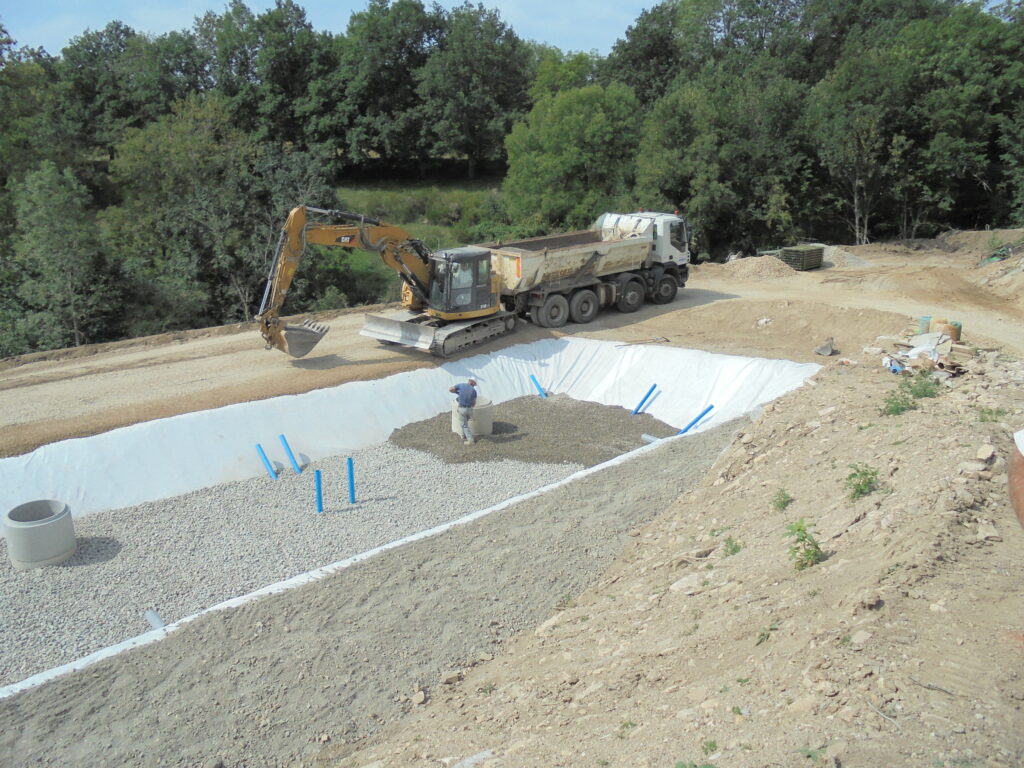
(167, 457)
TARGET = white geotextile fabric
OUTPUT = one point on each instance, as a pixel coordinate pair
(167, 457)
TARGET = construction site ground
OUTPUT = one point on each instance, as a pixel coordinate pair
(698, 644)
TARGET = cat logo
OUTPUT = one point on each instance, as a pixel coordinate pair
(345, 239)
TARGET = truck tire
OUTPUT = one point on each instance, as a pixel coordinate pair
(583, 306)
(553, 313)
(631, 296)
(665, 289)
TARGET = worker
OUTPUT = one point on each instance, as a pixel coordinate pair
(467, 399)
(1017, 475)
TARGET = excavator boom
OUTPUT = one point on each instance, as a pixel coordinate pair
(407, 256)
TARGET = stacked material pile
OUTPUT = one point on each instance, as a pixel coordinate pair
(802, 256)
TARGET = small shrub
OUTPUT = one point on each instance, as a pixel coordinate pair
(709, 746)
(862, 481)
(804, 551)
(896, 402)
(923, 384)
(781, 500)
(991, 414)
(766, 633)
(694, 765)
(730, 547)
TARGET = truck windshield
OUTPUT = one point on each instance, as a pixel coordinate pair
(677, 235)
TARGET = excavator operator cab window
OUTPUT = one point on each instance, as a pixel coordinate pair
(462, 280)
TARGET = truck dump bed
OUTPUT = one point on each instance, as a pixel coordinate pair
(525, 264)
(550, 242)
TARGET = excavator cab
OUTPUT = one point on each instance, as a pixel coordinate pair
(462, 286)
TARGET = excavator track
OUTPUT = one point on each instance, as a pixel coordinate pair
(452, 339)
(441, 341)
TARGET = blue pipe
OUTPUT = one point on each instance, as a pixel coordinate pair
(641, 403)
(702, 414)
(319, 492)
(266, 462)
(538, 386)
(291, 456)
(351, 483)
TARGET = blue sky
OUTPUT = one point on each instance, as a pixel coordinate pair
(572, 25)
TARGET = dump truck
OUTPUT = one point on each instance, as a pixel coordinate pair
(479, 292)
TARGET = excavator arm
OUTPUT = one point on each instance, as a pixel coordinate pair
(397, 249)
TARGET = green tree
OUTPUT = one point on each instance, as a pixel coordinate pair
(379, 107)
(24, 80)
(572, 157)
(730, 152)
(203, 202)
(556, 71)
(473, 86)
(287, 45)
(91, 105)
(1011, 141)
(229, 43)
(649, 56)
(64, 279)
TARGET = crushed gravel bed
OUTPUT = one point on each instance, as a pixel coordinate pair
(181, 555)
(266, 684)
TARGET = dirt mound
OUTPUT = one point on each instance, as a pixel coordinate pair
(523, 430)
(759, 268)
(982, 243)
(705, 644)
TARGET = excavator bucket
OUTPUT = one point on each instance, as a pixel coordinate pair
(300, 339)
(397, 328)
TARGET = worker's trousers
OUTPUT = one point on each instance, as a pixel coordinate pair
(465, 414)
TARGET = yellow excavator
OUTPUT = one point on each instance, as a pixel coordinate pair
(439, 314)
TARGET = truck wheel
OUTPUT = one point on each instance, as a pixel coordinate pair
(631, 297)
(554, 313)
(665, 289)
(583, 306)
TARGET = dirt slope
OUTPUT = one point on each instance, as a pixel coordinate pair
(701, 644)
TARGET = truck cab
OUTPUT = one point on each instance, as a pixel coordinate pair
(668, 232)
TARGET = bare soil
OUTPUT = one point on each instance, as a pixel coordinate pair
(697, 642)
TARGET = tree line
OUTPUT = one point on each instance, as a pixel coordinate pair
(144, 178)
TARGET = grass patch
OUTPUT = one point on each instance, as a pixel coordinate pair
(921, 385)
(730, 547)
(781, 500)
(804, 551)
(862, 481)
(991, 415)
(910, 389)
(765, 634)
(896, 402)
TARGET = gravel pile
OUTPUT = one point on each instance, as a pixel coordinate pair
(542, 430)
(759, 268)
(181, 555)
